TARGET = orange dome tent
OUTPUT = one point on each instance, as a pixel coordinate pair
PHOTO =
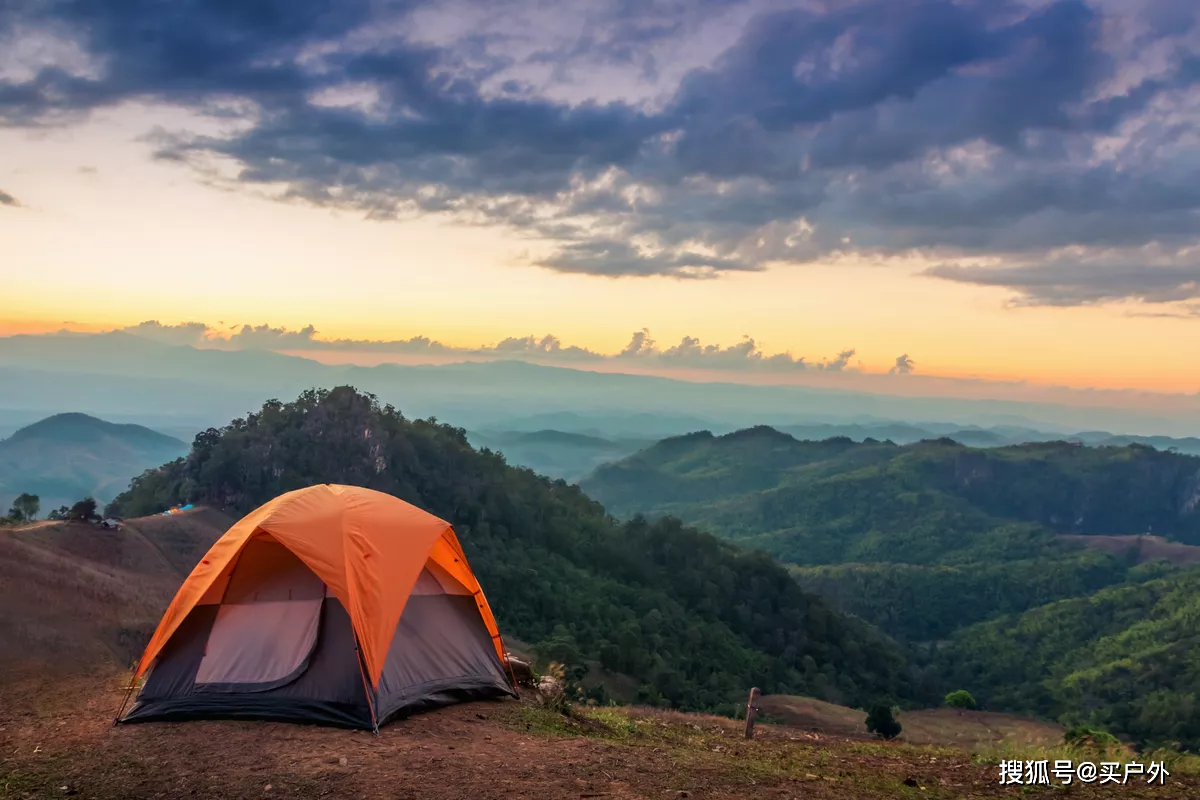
(332, 604)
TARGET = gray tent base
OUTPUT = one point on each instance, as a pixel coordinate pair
(441, 654)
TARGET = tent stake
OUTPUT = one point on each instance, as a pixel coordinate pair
(128, 692)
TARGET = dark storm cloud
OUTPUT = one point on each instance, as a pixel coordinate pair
(949, 130)
(625, 33)
(1074, 281)
(609, 257)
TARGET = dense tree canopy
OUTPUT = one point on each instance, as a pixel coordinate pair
(1126, 659)
(694, 621)
(936, 540)
(921, 539)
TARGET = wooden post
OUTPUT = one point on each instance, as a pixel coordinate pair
(751, 712)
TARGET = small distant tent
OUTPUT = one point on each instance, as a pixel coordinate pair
(335, 605)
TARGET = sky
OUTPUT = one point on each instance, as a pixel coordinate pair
(995, 190)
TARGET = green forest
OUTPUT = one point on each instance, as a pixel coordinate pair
(694, 621)
(1124, 659)
(836, 501)
(920, 539)
(957, 553)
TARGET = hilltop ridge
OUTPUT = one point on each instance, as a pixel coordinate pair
(66, 457)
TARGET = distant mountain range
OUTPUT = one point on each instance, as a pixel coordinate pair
(835, 501)
(556, 454)
(120, 375)
(67, 457)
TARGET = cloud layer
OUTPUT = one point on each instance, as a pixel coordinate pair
(1049, 147)
(642, 349)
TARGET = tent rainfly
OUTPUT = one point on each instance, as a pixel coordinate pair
(334, 605)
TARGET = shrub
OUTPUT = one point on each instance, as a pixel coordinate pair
(83, 511)
(882, 723)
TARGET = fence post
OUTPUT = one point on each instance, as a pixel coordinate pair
(751, 712)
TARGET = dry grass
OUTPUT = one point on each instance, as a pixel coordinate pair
(935, 726)
(76, 592)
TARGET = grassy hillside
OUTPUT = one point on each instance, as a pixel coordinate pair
(695, 621)
(937, 726)
(76, 594)
(67, 457)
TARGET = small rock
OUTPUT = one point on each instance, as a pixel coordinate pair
(67, 788)
(267, 788)
(481, 716)
(342, 761)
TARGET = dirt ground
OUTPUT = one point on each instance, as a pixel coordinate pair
(57, 740)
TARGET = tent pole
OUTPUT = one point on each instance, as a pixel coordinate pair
(480, 600)
(367, 688)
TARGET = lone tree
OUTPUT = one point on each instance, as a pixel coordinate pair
(25, 507)
(83, 511)
(960, 699)
(881, 722)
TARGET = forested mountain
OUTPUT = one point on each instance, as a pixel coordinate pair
(976, 530)
(765, 483)
(695, 621)
(1127, 659)
(67, 457)
(934, 541)
(556, 454)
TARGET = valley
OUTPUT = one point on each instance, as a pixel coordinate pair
(1047, 578)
